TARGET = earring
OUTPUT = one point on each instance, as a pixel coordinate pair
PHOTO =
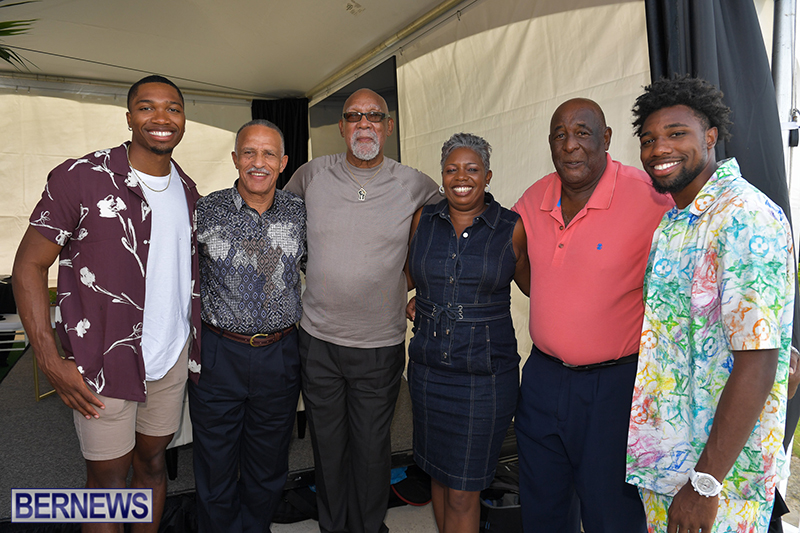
(487, 188)
(130, 129)
(441, 189)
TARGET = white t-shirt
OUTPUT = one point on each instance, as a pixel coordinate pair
(168, 287)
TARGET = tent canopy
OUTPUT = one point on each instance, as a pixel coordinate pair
(249, 48)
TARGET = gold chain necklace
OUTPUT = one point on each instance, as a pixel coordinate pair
(139, 177)
(362, 192)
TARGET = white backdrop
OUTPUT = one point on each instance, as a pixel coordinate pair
(37, 133)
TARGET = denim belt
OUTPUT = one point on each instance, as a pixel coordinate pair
(458, 312)
(468, 312)
(256, 341)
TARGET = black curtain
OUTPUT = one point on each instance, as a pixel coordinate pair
(720, 41)
(291, 116)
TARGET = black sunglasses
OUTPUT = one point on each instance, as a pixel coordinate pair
(372, 116)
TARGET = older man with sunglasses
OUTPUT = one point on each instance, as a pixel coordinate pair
(352, 334)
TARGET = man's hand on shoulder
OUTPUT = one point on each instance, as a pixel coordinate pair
(690, 511)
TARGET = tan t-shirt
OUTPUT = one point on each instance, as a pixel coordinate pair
(355, 286)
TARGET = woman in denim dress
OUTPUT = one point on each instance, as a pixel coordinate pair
(463, 369)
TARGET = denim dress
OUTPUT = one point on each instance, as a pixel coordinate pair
(463, 369)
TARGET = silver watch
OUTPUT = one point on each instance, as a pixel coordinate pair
(705, 484)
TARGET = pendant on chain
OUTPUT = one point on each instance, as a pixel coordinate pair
(362, 194)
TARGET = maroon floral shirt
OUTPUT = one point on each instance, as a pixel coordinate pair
(94, 208)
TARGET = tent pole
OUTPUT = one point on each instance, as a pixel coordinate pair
(783, 37)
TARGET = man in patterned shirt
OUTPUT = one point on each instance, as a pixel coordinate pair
(252, 245)
(121, 221)
(709, 402)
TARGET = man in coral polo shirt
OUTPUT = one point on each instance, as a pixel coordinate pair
(589, 228)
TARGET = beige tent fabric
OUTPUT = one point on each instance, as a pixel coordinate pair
(501, 69)
(37, 133)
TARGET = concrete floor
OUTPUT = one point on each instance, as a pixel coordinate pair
(406, 519)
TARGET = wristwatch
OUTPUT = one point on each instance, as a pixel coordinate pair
(705, 484)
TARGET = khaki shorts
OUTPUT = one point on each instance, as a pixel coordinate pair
(114, 434)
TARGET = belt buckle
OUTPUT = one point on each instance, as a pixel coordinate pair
(258, 335)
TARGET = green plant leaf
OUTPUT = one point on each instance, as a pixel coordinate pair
(14, 27)
(17, 3)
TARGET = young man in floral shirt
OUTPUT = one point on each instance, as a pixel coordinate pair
(709, 402)
(121, 222)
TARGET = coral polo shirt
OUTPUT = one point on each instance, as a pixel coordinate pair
(586, 278)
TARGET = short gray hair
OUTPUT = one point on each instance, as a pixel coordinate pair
(260, 122)
(471, 141)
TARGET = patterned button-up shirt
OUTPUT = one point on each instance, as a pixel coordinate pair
(249, 263)
(95, 209)
(719, 279)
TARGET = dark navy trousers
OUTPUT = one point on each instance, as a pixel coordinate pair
(572, 432)
(243, 411)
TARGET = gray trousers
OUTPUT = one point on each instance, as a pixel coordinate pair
(350, 396)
